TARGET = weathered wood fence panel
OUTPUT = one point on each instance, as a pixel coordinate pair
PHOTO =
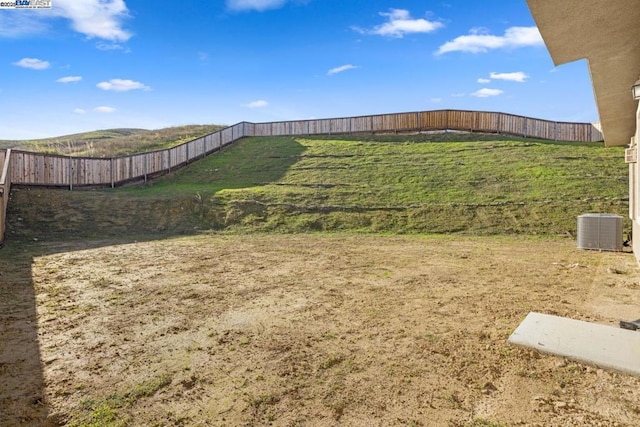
(539, 128)
(487, 122)
(322, 126)
(279, 129)
(5, 189)
(461, 120)
(433, 120)
(408, 121)
(298, 128)
(337, 126)
(361, 124)
(122, 171)
(88, 171)
(37, 168)
(177, 156)
(226, 136)
(511, 125)
(156, 162)
(262, 129)
(378, 123)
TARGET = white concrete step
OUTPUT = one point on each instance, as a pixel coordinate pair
(607, 347)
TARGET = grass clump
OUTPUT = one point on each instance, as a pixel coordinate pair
(112, 411)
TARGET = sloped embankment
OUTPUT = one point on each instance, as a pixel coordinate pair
(476, 184)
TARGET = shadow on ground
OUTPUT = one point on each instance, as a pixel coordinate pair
(22, 395)
(44, 221)
(23, 392)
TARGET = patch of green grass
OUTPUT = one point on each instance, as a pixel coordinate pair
(112, 411)
(331, 361)
(423, 183)
(249, 163)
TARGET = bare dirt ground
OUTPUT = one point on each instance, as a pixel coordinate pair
(292, 330)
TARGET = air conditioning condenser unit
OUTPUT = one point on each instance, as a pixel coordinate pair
(599, 231)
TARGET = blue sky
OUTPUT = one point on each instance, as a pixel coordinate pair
(95, 64)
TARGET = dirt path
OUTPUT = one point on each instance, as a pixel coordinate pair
(307, 330)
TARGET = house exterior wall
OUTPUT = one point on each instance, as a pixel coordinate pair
(634, 191)
(607, 34)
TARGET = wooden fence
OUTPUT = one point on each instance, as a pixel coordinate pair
(28, 168)
(473, 121)
(5, 187)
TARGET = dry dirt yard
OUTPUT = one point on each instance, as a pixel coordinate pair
(315, 330)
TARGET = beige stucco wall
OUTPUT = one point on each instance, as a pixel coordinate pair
(634, 192)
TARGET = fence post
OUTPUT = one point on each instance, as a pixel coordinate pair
(70, 173)
(111, 170)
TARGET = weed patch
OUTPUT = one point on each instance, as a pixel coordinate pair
(112, 411)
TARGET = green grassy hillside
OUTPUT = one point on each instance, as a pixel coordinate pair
(434, 183)
(113, 142)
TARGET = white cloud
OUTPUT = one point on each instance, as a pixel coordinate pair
(33, 63)
(486, 93)
(340, 69)
(80, 111)
(102, 19)
(259, 5)
(104, 109)
(480, 42)
(484, 81)
(120, 85)
(458, 95)
(111, 46)
(517, 76)
(256, 104)
(400, 23)
(69, 79)
(21, 23)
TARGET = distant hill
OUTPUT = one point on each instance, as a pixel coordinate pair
(113, 142)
